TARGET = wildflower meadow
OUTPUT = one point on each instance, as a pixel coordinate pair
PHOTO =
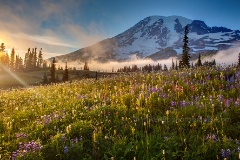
(169, 115)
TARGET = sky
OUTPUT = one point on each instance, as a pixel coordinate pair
(63, 26)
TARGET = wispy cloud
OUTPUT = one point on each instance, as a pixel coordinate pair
(44, 39)
(226, 57)
(46, 24)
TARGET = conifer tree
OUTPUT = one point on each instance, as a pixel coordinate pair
(2, 48)
(160, 67)
(185, 62)
(40, 59)
(165, 67)
(86, 68)
(176, 66)
(173, 66)
(26, 59)
(214, 62)
(12, 59)
(53, 71)
(65, 74)
(239, 59)
(34, 59)
(199, 62)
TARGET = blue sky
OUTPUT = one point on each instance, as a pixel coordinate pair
(63, 26)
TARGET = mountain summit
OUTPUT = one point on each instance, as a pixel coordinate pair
(157, 37)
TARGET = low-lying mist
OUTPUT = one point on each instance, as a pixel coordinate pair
(224, 57)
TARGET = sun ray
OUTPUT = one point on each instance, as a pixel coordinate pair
(14, 76)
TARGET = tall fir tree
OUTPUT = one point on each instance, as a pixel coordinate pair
(176, 66)
(165, 67)
(86, 68)
(65, 74)
(12, 60)
(199, 62)
(173, 66)
(239, 59)
(2, 53)
(35, 59)
(185, 62)
(40, 59)
(53, 71)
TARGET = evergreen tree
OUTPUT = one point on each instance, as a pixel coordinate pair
(26, 64)
(86, 68)
(12, 60)
(199, 62)
(173, 66)
(40, 59)
(34, 64)
(176, 66)
(185, 62)
(17, 63)
(165, 67)
(2, 53)
(214, 62)
(65, 74)
(239, 59)
(160, 67)
(53, 71)
(2, 47)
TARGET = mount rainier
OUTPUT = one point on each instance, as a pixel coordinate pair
(158, 37)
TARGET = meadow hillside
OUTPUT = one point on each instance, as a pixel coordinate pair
(187, 114)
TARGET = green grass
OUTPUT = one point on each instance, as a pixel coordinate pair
(167, 115)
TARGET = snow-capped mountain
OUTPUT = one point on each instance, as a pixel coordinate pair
(157, 37)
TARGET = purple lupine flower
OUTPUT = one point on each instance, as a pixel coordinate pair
(76, 140)
(173, 103)
(237, 102)
(183, 103)
(214, 137)
(223, 153)
(65, 150)
(208, 137)
(220, 98)
(228, 152)
(153, 90)
(238, 149)
(24, 136)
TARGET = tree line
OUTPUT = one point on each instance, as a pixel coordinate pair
(32, 61)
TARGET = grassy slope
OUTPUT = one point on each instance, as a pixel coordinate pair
(124, 117)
